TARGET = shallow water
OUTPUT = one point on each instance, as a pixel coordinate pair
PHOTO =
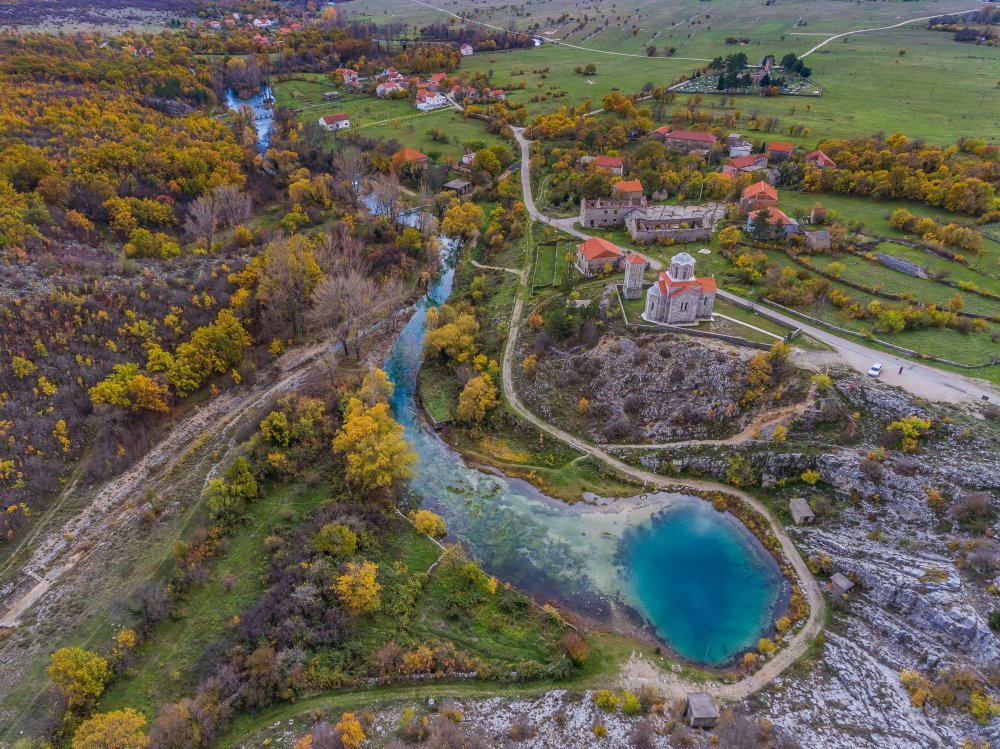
(263, 115)
(704, 584)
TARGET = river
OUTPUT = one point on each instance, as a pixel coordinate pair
(262, 113)
(696, 577)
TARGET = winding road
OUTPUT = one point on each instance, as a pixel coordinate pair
(916, 378)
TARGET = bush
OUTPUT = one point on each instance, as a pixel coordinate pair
(576, 648)
(994, 620)
(605, 700)
(631, 705)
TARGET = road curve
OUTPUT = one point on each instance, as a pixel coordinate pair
(803, 636)
(916, 378)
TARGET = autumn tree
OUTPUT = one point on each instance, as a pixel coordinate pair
(127, 388)
(349, 731)
(288, 276)
(428, 523)
(373, 446)
(119, 729)
(478, 398)
(729, 236)
(78, 675)
(227, 497)
(358, 588)
(462, 220)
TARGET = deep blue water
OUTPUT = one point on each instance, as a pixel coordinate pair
(703, 580)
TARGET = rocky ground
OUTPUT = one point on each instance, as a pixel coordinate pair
(654, 389)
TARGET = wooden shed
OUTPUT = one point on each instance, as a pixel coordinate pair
(840, 584)
(700, 710)
(461, 186)
(802, 513)
(331, 96)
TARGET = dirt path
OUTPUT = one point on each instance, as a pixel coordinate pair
(477, 264)
(802, 637)
(746, 434)
(880, 28)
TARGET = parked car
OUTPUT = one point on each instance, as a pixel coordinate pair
(876, 370)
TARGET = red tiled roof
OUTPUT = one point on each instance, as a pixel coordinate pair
(742, 162)
(697, 135)
(780, 146)
(775, 216)
(411, 154)
(329, 119)
(663, 130)
(628, 185)
(821, 158)
(668, 285)
(596, 248)
(636, 259)
(760, 188)
(608, 162)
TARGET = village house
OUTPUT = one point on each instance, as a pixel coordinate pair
(262, 23)
(407, 154)
(261, 40)
(391, 74)
(661, 132)
(635, 268)
(688, 141)
(700, 710)
(427, 101)
(756, 196)
(681, 223)
(779, 150)
(775, 217)
(468, 157)
(497, 94)
(820, 160)
(800, 510)
(737, 145)
(214, 25)
(751, 163)
(596, 254)
(435, 82)
(466, 50)
(336, 121)
(817, 241)
(679, 297)
(388, 88)
(627, 189)
(614, 164)
(349, 77)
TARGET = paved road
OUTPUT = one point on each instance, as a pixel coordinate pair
(918, 379)
(802, 637)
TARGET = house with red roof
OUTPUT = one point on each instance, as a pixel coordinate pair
(388, 88)
(466, 50)
(635, 267)
(752, 163)
(779, 150)
(758, 195)
(661, 132)
(596, 254)
(614, 164)
(686, 141)
(779, 221)
(820, 160)
(627, 189)
(406, 155)
(336, 121)
(679, 297)
(348, 76)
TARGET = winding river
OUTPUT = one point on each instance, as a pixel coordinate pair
(695, 577)
(263, 114)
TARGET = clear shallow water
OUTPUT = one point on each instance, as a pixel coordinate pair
(697, 577)
(263, 115)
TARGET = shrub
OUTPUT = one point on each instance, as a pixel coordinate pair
(994, 620)
(605, 700)
(576, 648)
(630, 704)
(810, 477)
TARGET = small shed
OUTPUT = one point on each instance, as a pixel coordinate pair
(818, 240)
(802, 513)
(461, 186)
(331, 96)
(839, 584)
(700, 710)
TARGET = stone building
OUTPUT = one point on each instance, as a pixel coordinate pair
(801, 512)
(681, 223)
(609, 211)
(700, 710)
(679, 297)
(593, 255)
(635, 267)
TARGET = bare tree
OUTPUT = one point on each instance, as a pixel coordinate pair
(236, 205)
(203, 218)
(386, 193)
(351, 304)
(288, 276)
(352, 170)
(337, 250)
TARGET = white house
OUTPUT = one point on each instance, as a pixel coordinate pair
(679, 297)
(336, 121)
(389, 87)
(428, 100)
(466, 50)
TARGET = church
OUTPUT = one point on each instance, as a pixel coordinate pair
(678, 297)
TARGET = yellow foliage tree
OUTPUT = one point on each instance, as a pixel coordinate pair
(478, 398)
(428, 523)
(79, 675)
(374, 447)
(358, 589)
(120, 729)
(349, 730)
(462, 220)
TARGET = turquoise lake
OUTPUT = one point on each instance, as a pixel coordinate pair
(695, 578)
